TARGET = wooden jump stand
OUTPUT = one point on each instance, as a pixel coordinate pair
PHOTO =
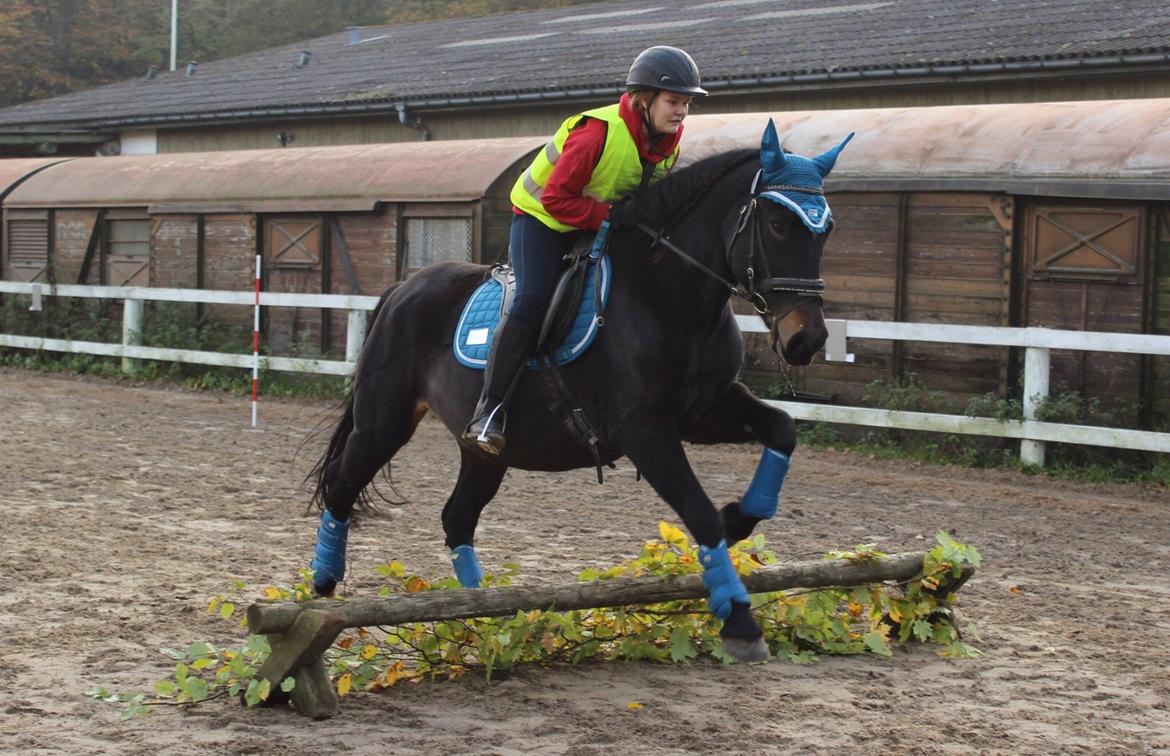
(300, 633)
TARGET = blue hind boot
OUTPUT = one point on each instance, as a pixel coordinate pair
(328, 563)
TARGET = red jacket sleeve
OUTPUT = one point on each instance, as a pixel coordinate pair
(562, 197)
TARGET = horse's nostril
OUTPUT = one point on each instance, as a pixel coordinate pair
(801, 346)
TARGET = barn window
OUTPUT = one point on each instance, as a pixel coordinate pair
(294, 243)
(443, 239)
(1079, 241)
(28, 248)
(128, 252)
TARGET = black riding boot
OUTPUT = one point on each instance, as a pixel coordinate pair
(511, 348)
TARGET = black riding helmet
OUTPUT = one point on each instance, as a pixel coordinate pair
(666, 68)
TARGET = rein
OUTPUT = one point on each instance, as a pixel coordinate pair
(752, 293)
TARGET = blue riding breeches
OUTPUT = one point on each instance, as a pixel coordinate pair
(536, 252)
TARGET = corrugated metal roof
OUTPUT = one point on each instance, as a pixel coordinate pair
(580, 52)
(350, 177)
(1117, 148)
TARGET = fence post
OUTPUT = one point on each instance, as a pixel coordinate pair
(355, 335)
(1036, 361)
(131, 332)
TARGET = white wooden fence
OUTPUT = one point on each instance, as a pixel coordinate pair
(1036, 342)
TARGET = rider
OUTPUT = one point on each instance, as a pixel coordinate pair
(595, 160)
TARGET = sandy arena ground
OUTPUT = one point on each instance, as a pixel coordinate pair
(124, 508)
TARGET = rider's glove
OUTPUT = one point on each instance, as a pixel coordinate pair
(624, 214)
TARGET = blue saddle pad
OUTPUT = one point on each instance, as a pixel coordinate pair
(481, 315)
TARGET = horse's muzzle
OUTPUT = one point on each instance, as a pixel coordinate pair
(800, 334)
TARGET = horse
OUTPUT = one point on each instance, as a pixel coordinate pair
(662, 371)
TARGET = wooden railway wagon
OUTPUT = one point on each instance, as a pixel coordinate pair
(348, 220)
(1054, 214)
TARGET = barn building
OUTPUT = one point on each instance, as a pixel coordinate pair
(520, 74)
(1051, 214)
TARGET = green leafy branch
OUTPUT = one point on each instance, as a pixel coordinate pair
(798, 626)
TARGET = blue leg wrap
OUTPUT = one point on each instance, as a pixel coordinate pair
(721, 580)
(763, 495)
(329, 559)
(466, 564)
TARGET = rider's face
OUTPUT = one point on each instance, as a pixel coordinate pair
(668, 111)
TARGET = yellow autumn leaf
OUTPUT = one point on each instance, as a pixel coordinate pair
(273, 593)
(895, 614)
(369, 651)
(416, 584)
(344, 684)
(634, 706)
(213, 604)
(671, 534)
(393, 674)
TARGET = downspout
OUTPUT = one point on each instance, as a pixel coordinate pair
(412, 123)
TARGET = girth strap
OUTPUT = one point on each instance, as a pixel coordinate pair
(565, 406)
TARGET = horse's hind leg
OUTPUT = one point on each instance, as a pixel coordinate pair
(479, 479)
(377, 423)
(740, 416)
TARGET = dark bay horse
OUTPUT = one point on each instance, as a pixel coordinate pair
(662, 370)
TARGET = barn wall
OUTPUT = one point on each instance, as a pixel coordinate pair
(372, 243)
(229, 263)
(534, 119)
(72, 230)
(1160, 291)
(957, 249)
(860, 267)
(174, 251)
(496, 216)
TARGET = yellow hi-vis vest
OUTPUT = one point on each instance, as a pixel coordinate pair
(617, 174)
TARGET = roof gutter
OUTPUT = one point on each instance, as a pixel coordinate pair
(797, 80)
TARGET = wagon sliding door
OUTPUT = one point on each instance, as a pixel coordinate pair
(26, 249)
(127, 249)
(294, 251)
(1084, 267)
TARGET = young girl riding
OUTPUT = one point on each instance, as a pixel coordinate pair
(581, 178)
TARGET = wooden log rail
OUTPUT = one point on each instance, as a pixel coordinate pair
(299, 633)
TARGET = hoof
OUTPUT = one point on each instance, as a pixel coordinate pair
(325, 590)
(747, 651)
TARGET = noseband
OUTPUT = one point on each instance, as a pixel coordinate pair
(752, 291)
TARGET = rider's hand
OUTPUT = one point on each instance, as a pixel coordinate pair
(624, 214)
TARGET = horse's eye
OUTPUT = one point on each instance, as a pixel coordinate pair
(779, 228)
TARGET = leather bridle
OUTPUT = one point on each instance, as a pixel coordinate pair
(753, 292)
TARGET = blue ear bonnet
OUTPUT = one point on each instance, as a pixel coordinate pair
(796, 182)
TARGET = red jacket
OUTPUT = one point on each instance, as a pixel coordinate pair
(563, 198)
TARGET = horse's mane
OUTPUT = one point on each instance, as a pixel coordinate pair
(664, 201)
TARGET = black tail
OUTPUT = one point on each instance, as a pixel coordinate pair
(318, 473)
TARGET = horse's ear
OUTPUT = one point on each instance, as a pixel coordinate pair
(825, 162)
(771, 154)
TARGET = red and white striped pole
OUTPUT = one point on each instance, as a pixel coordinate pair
(256, 345)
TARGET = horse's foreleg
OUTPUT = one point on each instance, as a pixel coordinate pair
(654, 446)
(737, 417)
(479, 479)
